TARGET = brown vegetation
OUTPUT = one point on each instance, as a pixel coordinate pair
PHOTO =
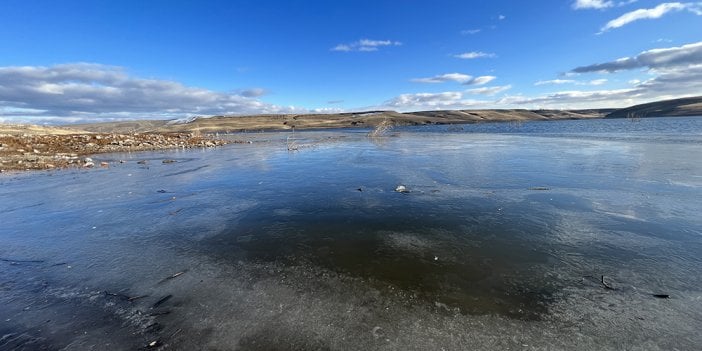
(340, 120)
(674, 108)
(27, 151)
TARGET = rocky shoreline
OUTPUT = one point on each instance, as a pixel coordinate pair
(37, 152)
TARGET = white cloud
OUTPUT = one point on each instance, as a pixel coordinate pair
(252, 92)
(501, 17)
(481, 80)
(570, 81)
(96, 92)
(365, 45)
(675, 73)
(342, 47)
(652, 13)
(592, 4)
(489, 90)
(474, 55)
(430, 101)
(555, 81)
(327, 110)
(684, 55)
(597, 81)
(448, 77)
(425, 99)
(449, 100)
(471, 31)
(669, 83)
(464, 79)
(599, 4)
(572, 99)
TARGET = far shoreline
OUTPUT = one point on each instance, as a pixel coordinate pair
(26, 147)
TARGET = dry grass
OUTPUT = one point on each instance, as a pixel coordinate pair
(31, 129)
(381, 129)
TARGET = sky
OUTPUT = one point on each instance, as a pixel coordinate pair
(87, 61)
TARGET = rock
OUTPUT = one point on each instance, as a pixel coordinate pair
(401, 189)
(154, 344)
(169, 161)
(88, 165)
(35, 151)
(377, 332)
(104, 164)
(142, 162)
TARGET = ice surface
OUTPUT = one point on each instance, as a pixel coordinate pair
(280, 250)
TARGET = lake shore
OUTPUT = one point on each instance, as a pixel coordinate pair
(33, 147)
(55, 149)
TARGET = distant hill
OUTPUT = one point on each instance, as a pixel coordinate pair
(339, 120)
(31, 129)
(505, 115)
(678, 107)
(666, 108)
(138, 126)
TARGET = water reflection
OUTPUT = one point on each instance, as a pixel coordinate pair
(462, 255)
(502, 240)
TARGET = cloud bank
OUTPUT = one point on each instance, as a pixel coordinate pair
(663, 58)
(464, 79)
(86, 91)
(489, 90)
(674, 72)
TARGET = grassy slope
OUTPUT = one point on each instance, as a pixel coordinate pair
(673, 108)
(30, 129)
(341, 120)
(678, 107)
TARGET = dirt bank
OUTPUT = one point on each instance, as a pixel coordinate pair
(31, 152)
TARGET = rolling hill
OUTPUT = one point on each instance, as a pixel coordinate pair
(667, 108)
(339, 120)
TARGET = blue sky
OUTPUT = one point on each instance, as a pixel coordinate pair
(67, 61)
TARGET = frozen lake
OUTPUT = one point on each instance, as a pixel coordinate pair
(503, 242)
